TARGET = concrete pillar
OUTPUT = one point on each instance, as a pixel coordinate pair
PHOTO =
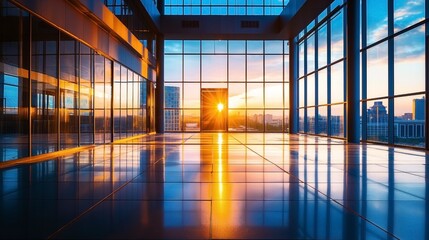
(159, 91)
(352, 72)
(293, 86)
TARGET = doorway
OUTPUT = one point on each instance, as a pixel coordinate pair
(214, 109)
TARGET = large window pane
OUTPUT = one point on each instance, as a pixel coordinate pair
(273, 95)
(214, 68)
(274, 68)
(322, 121)
(236, 120)
(323, 87)
(191, 68)
(237, 95)
(311, 120)
(409, 126)
(311, 90)
(237, 68)
(337, 37)
(410, 61)
(173, 68)
(255, 68)
(377, 120)
(376, 20)
(311, 54)
(322, 48)
(273, 120)
(191, 95)
(255, 95)
(255, 120)
(408, 13)
(337, 120)
(337, 83)
(377, 71)
(191, 120)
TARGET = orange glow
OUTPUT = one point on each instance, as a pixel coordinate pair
(220, 107)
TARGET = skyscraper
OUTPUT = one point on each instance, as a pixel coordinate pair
(172, 113)
(419, 109)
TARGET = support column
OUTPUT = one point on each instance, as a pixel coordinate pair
(293, 86)
(159, 91)
(352, 72)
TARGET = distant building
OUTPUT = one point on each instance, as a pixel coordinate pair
(377, 113)
(377, 126)
(419, 109)
(407, 116)
(172, 111)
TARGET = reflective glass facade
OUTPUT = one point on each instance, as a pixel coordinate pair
(57, 93)
(255, 74)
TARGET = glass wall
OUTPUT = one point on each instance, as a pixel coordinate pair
(224, 7)
(392, 73)
(58, 95)
(321, 70)
(252, 71)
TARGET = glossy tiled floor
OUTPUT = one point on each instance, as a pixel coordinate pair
(218, 185)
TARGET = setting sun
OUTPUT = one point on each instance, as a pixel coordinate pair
(220, 107)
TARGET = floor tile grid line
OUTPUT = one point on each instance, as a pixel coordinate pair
(328, 197)
(52, 236)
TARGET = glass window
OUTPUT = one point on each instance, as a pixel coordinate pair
(301, 119)
(302, 56)
(409, 123)
(255, 120)
(214, 68)
(377, 71)
(191, 68)
(311, 54)
(322, 48)
(191, 120)
(235, 46)
(311, 120)
(173, 68)
(301, 83)
(376, 20)
(377, 120)
(173, 46)
(322, 86)
(191, 46)
(255, 68)
(322, 120)
(274, 47)
(408, 13)
(237, 95)
(337, 83)
(236, 120)
(254, 46)
(337, 120)
(311, 90)
(237, 68)
(273, 95)
(191, 95)
(255, 95)
(274, 68)
(337, 37)
(409, 59)
(273, 120)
